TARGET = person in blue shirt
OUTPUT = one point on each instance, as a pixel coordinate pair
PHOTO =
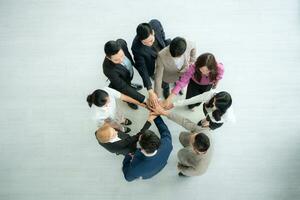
(153, 155)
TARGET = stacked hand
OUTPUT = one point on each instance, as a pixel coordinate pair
(166, 104)
(153, 99)
(159, 110)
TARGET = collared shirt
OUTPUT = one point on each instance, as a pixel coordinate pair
(179, 61)
(149, 154)
(107, 111)
(128, 65)
(116, 139)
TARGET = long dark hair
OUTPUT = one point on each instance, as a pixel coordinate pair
(98, 98)
(223, 102)
(208, 60)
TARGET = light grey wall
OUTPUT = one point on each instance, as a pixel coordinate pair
(50, 59)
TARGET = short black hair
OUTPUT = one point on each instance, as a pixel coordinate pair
(202, 142)
(143, 31)
(98, 98)
(111, 48)
(149, 141)
(177, 46)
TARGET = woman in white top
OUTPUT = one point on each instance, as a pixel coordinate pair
(216, 107)
(105, 110)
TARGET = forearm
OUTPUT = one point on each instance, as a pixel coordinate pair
(184, 122)
(131, 100)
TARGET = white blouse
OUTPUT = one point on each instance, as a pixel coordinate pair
(99, 114)
(205, 97)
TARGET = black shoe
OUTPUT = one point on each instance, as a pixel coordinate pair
(127, 122)
(180, 92)
(126, 129)
(133, 106)
(166, 93)
(137, 87)
(181, 174)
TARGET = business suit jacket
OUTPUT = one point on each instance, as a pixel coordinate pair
(127, 144)
(166, 70)
(141, 166)
(189, 162)
(145, 56)
(119, 76)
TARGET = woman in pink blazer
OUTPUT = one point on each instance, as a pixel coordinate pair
(200, 77)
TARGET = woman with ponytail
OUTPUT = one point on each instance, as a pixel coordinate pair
(216, 107)
(103, 103)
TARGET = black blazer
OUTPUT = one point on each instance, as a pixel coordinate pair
(119, 76)
(127, 144)
(145, 56)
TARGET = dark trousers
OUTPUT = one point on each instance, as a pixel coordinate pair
(165, 86)
(195, 89)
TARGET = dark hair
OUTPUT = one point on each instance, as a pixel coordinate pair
(177, 46)
(223, 102)
(143, 31)
(149, 141)
(208, 60)
(111, 48)
(98, 98)
(201, 143)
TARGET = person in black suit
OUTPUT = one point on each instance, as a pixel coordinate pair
(118, 68)
(119, 142)
(149, 40)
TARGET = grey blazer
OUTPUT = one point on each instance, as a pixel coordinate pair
(189, 162)
(165, 67)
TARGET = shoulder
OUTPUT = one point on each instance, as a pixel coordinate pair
(108, 65)
(190, 44)
(165, 52)
(112, 92)
(136, 44)
(220, 66)
(155, 23)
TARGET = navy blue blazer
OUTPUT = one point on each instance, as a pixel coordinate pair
(145, 56)
(146, 167)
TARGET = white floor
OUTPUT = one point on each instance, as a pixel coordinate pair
(51, 56)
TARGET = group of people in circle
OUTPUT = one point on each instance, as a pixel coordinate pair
(166, 63)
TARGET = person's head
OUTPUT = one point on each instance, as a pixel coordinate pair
(177, 46)
(106, 133)
(145, 34)
(149, 141)
(114, 52)
(220, 102)
(200, 142)
(206, 64)
(98, 98)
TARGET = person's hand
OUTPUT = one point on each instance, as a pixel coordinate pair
(151, 116)
(159, 110)
(214, 86)
(167, 104)
(153, 99)
(144, 105)
(204, 123)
